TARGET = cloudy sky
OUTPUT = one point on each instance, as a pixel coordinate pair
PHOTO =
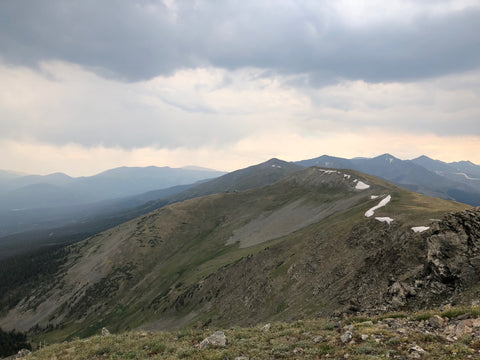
(89, 85)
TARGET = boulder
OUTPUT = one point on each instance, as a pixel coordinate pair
(22, 353)
(436, 322)
(217, 339)
(346, 337)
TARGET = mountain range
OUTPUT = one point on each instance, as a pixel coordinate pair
(459, 181)
(34, 202)
(58, 189)
(271, 242)
(53, 215)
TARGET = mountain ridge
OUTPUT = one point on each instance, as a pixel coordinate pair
(191, 263)
(90, 220)
(424, 175)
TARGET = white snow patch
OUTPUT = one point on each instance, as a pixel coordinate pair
(419, 229)
(276, 166)
(382, 203)
(355, 180)
(361, 185)
(390, 159)
(467, 177)
(386, 219)
(372, 197)
(328, 171)
(346, 176)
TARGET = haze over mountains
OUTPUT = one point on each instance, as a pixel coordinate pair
(35, 191)
(33, 202)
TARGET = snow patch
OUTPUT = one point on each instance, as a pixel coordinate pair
(382, 203)
(346, 176)
(276, 166)
(355, 180)
(373, 197)
(467, 177)
(419, 229)
(386, 219)
(361, 185)
(328, 171)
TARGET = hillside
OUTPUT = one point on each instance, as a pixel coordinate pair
(82, 221)
(296, 248)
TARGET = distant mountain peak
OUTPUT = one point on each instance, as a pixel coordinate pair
(423, 157)
(466, 162)
(387, 158)
(274, 162)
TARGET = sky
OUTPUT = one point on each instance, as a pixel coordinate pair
(92, 85)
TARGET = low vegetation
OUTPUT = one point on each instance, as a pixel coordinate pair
(397, 335)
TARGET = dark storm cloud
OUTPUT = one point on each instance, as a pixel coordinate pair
(135, 40)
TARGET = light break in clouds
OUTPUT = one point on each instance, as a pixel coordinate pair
(88, 86)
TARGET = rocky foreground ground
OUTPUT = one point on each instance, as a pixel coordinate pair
(453, 333)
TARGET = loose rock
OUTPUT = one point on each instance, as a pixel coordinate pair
(346, 337)
(436, 322)
(22, 353)
(217, 339)
(298, 351)
(416, 352)
(318, 339)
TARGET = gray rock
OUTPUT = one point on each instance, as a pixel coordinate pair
(298, 351)
(105, 332)
(453, 250)
(22, 353)
(364, 337)
(346, 337)
(242, 358)
(217, 339)
(436, 322)
(318, 339)
(416, 352)
(399, 292)
(266, 327)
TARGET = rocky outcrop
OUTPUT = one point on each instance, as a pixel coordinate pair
(451, 263)
(453, 249)
(418, 270)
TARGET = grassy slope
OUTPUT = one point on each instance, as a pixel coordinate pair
(374, 338)
(172, 265)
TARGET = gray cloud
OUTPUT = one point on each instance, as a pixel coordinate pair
(134, 40)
